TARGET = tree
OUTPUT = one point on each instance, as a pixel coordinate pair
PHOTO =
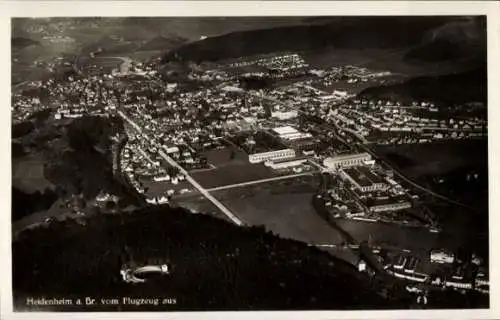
(110, 205)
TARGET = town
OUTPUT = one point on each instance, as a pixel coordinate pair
(180, 138)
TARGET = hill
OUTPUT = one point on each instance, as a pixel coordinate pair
(470, 86)
(215, 265)
(109, 45)
(163, 43)
(445, 50)
(345, 33)
(464, 38)
(192, 28)
(24, 204)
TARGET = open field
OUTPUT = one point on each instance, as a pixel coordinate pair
(283, 208)
(28, 174)
(197, 203)
(289, 216)
(232, 174)
(226, 156)
(234, 162)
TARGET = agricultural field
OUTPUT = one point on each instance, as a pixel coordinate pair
(230, 165)
(226, 156)
(232, 174)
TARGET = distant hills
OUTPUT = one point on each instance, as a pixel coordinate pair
(192, 28)
(435, 51)
(469, 86)
(123, 44)
(430, 39)
(339, 32)
(454, 40)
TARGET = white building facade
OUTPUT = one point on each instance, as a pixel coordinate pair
(272, 156)
(345, 161)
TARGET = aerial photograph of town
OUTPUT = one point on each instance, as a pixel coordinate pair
(249, 163)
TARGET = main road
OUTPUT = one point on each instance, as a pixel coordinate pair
(190, 179)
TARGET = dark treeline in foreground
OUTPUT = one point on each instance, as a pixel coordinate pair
(24, 203)
(214, 265)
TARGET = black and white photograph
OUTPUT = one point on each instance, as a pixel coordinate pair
(249, 163)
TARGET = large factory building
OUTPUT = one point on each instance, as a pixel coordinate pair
(345, 161)
(272, 156)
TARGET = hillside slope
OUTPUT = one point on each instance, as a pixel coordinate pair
(470, 86)
(346, 33)
(215, 265)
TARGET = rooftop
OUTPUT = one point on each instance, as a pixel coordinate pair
(349, 156)
(363, 176)
(373, 177)
(357, 176)
(285, 130)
